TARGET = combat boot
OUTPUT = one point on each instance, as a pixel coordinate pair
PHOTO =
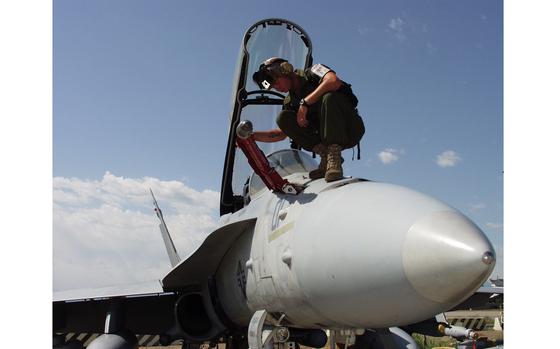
(321, 150)
(334, 163)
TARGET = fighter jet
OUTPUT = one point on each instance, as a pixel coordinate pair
(370, 262)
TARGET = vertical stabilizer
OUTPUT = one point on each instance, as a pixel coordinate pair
(169, 246)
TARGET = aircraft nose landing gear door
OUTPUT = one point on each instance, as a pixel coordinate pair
(264, 39)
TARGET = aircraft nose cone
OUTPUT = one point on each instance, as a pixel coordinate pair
(446, 256)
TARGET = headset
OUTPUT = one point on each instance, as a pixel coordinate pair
(271, 69)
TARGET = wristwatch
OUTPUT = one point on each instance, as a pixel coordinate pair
(303, 102)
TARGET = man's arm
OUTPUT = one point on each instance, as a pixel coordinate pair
(269, 136)
(330, 82)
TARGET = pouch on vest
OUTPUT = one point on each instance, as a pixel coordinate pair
(346, 89)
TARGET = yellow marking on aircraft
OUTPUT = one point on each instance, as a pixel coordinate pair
(278, 232)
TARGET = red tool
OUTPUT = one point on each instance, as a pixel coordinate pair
(258, 161)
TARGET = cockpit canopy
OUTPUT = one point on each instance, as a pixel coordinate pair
(264, 39)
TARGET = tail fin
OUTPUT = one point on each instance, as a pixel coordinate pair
(169, 246)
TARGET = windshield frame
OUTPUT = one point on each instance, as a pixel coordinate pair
(255, 185)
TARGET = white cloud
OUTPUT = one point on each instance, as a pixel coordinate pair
(448, 158)
(431, 48)
(396, 24)
(105, 232)
(389, 155)
(397, 27)
(365, 30)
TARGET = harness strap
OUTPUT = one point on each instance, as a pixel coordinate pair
(358, 152)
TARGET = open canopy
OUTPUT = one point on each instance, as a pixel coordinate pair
(264, 39)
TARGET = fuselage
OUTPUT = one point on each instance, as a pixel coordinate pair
(351, 254)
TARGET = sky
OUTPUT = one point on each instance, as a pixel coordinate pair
(142, 96)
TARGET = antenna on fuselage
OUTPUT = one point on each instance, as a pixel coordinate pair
(169, 246)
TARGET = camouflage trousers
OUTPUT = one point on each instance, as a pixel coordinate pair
(332, 120)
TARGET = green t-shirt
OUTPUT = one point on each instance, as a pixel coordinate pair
(310, 79)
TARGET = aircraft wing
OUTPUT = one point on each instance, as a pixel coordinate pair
(205, 260)
(491, 289)
(81, 314)
(148, 308)
(145, 288)
(484, 298)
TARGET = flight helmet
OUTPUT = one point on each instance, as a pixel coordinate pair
(270, 70)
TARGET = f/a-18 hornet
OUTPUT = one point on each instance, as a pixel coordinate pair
(370, 262)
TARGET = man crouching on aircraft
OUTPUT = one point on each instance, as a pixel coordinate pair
(319, 112)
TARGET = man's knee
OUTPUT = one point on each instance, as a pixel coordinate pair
(329, 97)
(335, 101)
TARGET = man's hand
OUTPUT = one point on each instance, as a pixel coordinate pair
(302, 116)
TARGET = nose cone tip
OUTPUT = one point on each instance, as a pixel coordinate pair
(446, 257)
(488, 258)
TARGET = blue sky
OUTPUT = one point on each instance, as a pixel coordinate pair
(142, 89)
